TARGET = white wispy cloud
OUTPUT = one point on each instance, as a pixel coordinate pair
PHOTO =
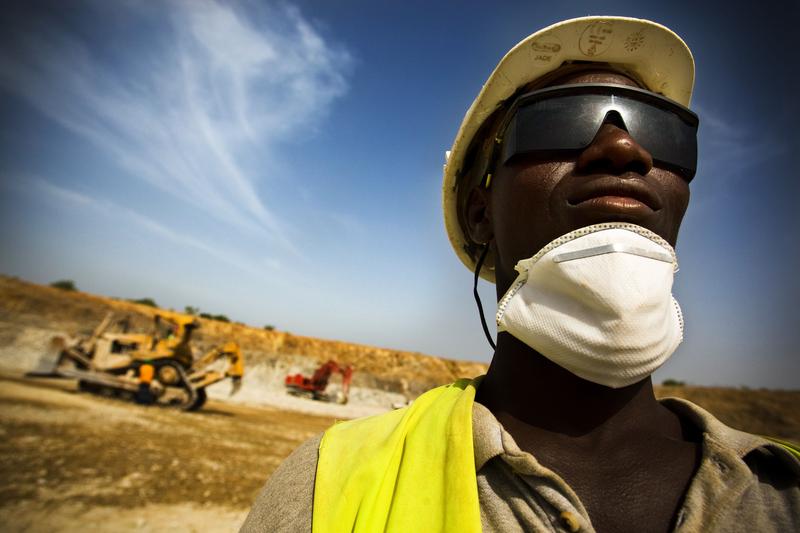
(118, 212)
(199, 111)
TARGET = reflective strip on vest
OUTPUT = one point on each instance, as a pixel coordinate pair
(412, 469)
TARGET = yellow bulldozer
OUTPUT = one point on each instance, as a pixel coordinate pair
(158, 367)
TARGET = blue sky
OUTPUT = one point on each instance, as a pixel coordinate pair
(280, 163)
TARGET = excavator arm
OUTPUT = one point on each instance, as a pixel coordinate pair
(201, 376)
(317, 383)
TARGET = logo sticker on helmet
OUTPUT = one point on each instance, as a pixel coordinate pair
(596, 38)
(543, 49)
(549, 44)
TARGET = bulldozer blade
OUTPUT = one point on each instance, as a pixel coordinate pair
(47, 366)
(36, 373)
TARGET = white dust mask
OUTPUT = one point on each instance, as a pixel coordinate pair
(598, 302)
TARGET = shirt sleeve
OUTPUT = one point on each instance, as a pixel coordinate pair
(285, 503)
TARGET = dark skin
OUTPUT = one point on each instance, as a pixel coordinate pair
(629, 459)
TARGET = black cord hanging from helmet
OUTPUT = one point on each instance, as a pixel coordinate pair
(478, 266)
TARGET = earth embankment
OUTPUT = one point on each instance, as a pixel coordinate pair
(31, 314)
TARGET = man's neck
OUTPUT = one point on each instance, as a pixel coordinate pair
(525, 389)
(608, 445)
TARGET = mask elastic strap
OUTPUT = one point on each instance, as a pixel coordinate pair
(478, 266)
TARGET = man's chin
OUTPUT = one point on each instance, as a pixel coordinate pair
(587, 215)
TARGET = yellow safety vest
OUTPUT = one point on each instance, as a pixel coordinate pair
(412, 469)
(790, 447)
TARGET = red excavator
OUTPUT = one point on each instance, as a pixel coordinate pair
(314, 387)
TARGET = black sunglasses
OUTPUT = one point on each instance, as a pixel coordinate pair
(561, 120)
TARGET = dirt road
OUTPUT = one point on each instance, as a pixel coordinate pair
(74, 462)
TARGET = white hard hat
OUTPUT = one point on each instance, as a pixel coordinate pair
(649, 51)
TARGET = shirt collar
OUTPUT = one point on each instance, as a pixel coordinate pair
(740, 443)
(489, 439)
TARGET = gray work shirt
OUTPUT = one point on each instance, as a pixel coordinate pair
(744, 483)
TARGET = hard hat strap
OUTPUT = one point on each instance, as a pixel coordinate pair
(478, 266)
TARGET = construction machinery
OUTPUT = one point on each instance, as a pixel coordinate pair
(315, 386)
(159, 367)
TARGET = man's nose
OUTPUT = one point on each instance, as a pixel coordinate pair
(614, 151)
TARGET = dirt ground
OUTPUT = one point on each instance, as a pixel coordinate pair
(74, 462)
(71, 461)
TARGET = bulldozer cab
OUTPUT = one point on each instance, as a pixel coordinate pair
(171, 338)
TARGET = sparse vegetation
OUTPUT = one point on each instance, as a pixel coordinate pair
(145, 301)
(269, 327)
(220, 318)
(191, 310)
(64, 285)
(673, 383)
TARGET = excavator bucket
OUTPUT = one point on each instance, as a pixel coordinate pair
(47, 365)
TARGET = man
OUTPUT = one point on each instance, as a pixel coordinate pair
(566, 185)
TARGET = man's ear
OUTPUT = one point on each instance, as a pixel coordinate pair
(480, 227)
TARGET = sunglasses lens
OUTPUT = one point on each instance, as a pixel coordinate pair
(670, 138)
(550, 127)
(551, 123)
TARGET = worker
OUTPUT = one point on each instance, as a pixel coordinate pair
(144, 394)
(566, 186)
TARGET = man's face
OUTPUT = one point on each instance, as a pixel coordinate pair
(531, 202)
